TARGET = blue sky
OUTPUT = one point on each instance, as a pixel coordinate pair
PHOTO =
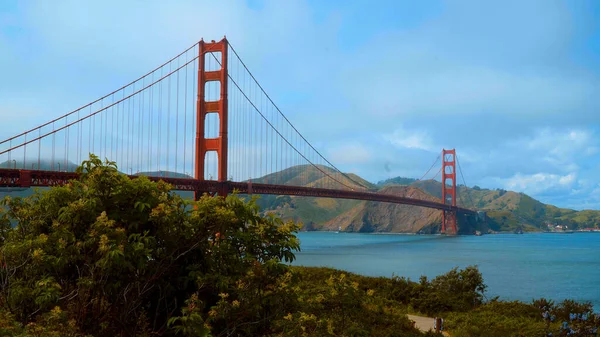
(380, 87)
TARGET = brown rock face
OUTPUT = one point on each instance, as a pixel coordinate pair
(371, 216)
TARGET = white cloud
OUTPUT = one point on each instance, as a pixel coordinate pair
(567, 180)
(538, 183)
(555, 149)
(411, 139)
(561, 144)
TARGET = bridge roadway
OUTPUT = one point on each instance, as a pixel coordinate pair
(37, 178)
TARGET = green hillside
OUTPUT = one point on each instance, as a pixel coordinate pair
(396, 181)
(312, 212)
(510, 210)
(506, 210)
(43, 164)
(166, 174)
(314, 176)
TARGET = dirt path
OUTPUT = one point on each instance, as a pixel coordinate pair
(424, 323)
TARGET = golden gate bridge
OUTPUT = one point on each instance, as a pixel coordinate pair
(200, 122)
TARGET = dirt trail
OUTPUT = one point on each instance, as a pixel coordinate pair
(424, 323)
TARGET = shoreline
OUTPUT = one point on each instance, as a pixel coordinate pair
(439, 234)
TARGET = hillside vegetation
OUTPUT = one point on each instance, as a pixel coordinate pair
(509, 210)
(506, 210)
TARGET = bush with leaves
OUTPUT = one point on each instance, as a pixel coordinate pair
(540, 318)
(121, 256)
(337, 303)
(457, 290)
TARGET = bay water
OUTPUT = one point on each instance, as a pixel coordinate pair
(514, 267)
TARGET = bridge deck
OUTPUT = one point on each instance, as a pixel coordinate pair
(32, 178)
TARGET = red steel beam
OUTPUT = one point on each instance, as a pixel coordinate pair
(27, 178)
(341, 194)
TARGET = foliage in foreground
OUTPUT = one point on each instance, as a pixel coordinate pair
(117, 256)
(457, 297)
(107, 255)
(110, 256)
(538, 318)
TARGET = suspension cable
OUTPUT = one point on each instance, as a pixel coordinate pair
(432, 165)
(287, 120)
(99, 99)
(276, 130)
(463, 178)
(54, 131)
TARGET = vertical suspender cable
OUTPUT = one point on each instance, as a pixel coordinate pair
(159, 122)
(259, 147)
(185, 114)
(79, 139)
(194, 117)
(40, 147)
(53, 147)
(150, 108)
(25, 152)
(112, 130)
(105, 116)
(66, 155)
(169, 118)
(177, 118)
(140, 130)
(131, 131)
(122, 133)
(89, 137)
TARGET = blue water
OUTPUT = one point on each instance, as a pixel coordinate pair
(515, 267)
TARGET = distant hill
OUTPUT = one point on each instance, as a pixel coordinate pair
(312, 176)
(43, 164)
(349, 215)
(510, 210)
(312, 212)
(46, 165)
(166, 174)
(371, 216)
(396, 181)
(506, 210)
(169, 174)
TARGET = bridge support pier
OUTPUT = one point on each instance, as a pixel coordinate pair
(449, 225)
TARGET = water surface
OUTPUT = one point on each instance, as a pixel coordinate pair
(515, 267)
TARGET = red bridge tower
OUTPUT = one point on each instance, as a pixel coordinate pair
(219, 107)
(449, 190)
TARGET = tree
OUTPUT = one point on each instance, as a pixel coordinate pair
(457, 290)
(119, 256)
